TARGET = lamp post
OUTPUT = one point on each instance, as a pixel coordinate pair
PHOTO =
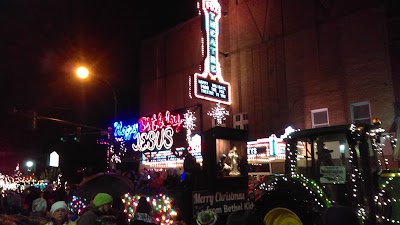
(83, 73)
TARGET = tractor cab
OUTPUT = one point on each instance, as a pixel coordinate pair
(344, 160)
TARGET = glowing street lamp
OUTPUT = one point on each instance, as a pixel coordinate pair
(29, 164)
(83, 73)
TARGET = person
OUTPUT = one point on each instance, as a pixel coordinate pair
(243, 217)
(156, 181)
(101, 206)
(234, 156)
(39, 205)
(2, 202)
(13, 202)
(59, 214)
(143, 214)
(222, 167)
(106, 220)
(172, 179)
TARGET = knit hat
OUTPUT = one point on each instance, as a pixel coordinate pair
(58, 205)
(39, 205)
(102, 199)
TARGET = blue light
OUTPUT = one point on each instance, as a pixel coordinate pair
(127, 132)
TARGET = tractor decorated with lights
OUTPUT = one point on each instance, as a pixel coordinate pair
(333, 175)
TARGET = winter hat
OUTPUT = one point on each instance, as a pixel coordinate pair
(143, 206)
(39, 205)
(58, 205)
(102, 199)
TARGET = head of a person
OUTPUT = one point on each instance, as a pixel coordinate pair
(144, 206)
(155, 175)
(103, 202)
(59, 212)
(243, 218)
(106, 220)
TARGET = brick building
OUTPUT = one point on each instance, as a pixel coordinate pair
(300, 63)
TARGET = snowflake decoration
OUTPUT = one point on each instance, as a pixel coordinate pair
(189, 124)
(218, 113)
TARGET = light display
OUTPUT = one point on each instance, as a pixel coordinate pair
(157, 132)
(77, 205)
(210, 84)
(163, 212)
(268, 149)
(218, 113)
(189, 124)
(128, 132)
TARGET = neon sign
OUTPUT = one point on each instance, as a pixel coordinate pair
(127, 132)
(267, 149)
(210, 84)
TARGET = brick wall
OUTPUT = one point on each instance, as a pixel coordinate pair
(285, 59)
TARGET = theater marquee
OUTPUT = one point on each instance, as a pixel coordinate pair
(210, 85)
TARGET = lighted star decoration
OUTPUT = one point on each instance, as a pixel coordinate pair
(189, 124)
(218, 113)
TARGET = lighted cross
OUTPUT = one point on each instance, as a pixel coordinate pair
(218, 113)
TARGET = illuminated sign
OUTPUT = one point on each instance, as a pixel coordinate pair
(54, 159)
(212, 89)
(267, 149)
(210, 84)
(157, 132)
(128, 132)
(150, 133)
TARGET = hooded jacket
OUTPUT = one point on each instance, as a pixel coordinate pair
(90, 216)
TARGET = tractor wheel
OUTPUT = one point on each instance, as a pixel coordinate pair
(281, 216)
(281, 208)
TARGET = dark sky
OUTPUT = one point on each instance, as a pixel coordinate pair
(42, 41)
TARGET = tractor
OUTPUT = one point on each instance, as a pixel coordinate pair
(333, 175)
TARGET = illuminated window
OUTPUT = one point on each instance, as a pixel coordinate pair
(240, 121)
(360, 113)
(237, 118)
(214, 123)
(320, 117)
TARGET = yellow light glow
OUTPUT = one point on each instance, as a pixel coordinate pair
(82, 72)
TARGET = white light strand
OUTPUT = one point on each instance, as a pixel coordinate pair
(218, 113)
(189, 123)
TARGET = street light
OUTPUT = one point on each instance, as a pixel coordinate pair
(29, 164)
(82, 72)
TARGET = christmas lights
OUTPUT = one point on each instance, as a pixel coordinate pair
(189, 123)
(77, 205)
(218, 113)
(163, 213)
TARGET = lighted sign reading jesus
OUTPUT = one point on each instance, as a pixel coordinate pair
(210, 84)
(157, 132)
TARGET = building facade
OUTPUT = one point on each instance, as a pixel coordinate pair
(300, 63)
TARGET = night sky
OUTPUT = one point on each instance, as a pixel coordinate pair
(42, 41)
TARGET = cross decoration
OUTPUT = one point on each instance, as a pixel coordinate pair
(218, 113)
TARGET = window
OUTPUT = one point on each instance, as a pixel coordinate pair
(319, 117)
(241, 119)
(361, 113)
(237, 118)
(246, 126)
(214, 123)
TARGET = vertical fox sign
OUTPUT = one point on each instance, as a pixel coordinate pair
(210, 84)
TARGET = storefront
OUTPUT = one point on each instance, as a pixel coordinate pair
(267, 155)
